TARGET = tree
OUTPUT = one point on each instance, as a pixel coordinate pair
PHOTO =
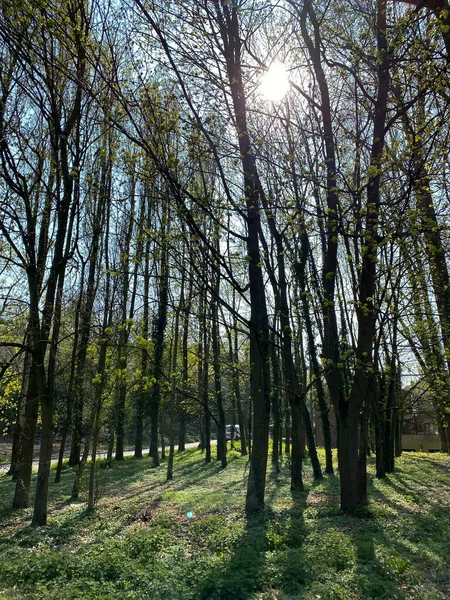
(36, 40)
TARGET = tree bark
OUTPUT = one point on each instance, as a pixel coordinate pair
(159, 328)
(25, 465)
(221, 438)
(227, 18)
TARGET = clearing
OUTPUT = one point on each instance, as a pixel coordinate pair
(188, 539)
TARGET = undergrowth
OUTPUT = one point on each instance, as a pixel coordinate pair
(189, 539)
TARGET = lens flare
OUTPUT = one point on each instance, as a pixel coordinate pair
(275, 84)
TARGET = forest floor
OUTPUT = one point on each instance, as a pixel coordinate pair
(189, 538)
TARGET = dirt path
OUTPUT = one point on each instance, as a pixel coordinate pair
(6, 448)
(6, 445)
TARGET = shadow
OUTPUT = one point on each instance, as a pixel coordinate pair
(142, 484)
(287, 536)
(29, 537)
(243, 573)
(377, 572)
(122, 475)
(268, 553)
(301, 546)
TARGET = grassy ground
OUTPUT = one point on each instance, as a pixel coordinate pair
(189, 539)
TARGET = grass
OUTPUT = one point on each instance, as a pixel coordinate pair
(189, 539)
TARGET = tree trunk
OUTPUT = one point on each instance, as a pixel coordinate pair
(174, 376)
(100, 379)
(25, 466)
(159, 327)
(93, 467)
(315, 366)
(142, 395)
(185, 377)
(69, 408)
(171, 452)
(81, 465)
(127, 314)
(100, 385)
(288, 429)
(276, 400)
(19, 430)
(363, 450)
(349, 462)
(234, 360)
(46, 380)
(70, 418)
(227, 18)
(221, 437)
(141, 404)
(103, 193)
(205, 387)
(376, 419)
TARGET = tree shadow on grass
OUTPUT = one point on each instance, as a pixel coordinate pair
(379, 566)
(243, 573)
(126, 480)
(285, 562)
(7, 487)
(186, 471)
(267, 555)
(389, 559)
(340, 555)
(403, 542)
(29, 536)
(122, 475)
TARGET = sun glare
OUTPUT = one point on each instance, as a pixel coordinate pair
(275, 84)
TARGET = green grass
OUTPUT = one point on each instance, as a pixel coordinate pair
(140, 543)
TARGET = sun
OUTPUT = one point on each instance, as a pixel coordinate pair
(274, 85)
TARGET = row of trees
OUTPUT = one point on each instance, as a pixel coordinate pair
(175, 244)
